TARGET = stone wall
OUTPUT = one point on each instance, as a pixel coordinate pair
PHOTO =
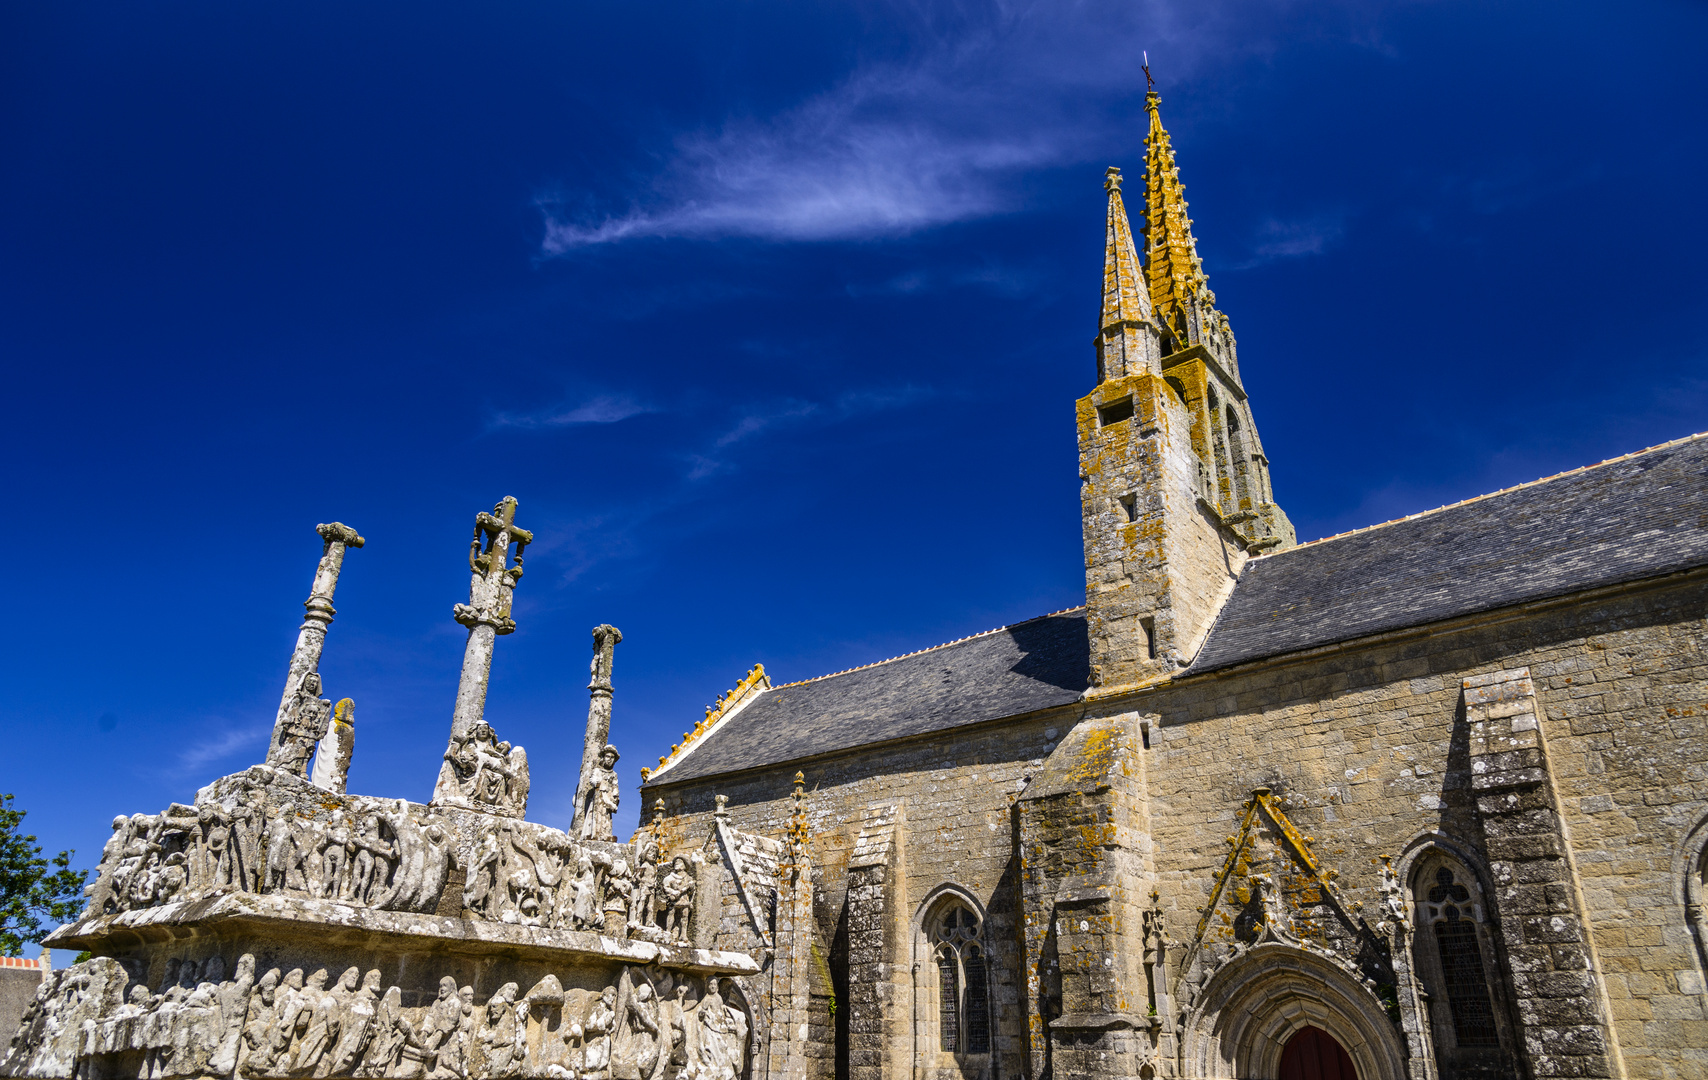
(1368, 751)
(958, 828)
(19, 981)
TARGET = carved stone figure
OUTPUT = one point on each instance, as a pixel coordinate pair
(423, 865)
(371, 865)
(481, 773)
(284, 859)
(335, 848)
(619, 886)
(258, 1028)
(601, 799)
(503, 1034)
(391, 1033)
(596, 1036)
(643, 902)
(677, 891)
(636, 1051)
(246, 848)
(100, 891)
(723, 1035)
(437, 1034)
(302, 726)
(355, 1028)
(335, 750)
(585, 907)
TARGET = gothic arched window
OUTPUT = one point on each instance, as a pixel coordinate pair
(963, 996)
(1452, 961)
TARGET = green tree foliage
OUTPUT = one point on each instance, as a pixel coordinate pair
(32, 889)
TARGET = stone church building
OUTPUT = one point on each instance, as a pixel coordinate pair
(1426, 799)
(1422, 801)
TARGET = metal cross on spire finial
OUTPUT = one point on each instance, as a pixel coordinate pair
(1150, 83)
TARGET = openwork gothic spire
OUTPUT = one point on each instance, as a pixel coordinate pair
(1179, 290)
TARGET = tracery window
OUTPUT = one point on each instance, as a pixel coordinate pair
(1451, 915)
(963, 996)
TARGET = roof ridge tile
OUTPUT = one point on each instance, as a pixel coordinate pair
(929, 648)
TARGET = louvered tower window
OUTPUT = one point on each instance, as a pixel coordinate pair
(963, 1000)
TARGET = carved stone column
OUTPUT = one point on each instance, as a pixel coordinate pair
(312, 637)
(605, 639)
(487, 614)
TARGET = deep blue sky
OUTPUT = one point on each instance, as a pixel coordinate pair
(772, 315)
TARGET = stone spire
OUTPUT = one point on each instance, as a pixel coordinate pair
(1174, 484)
(1127, 335)
(487, 614)
(605, 640)
(1179, 290)
(287, 741)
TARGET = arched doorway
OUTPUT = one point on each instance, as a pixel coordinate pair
(1246, 1016)
(1313, 1054)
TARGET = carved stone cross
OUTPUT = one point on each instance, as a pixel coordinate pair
(305, 660)
(605, 639)
(487, 614)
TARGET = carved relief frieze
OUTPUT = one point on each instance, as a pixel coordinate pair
(95, 1021)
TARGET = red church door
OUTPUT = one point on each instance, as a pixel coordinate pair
(1312, 1054)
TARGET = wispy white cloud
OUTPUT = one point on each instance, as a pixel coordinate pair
(1278, 239)
(221, 742)
(752, 423)
(604, 409)
(943, 137)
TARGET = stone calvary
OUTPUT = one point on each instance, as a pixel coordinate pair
(281, 926)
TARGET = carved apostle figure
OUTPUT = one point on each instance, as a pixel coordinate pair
(602, 798)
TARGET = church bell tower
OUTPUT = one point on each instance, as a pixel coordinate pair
(1174, 484)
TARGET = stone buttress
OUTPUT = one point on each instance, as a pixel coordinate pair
(1175, 491)
(1086, 878)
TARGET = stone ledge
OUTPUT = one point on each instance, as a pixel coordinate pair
(333, 923)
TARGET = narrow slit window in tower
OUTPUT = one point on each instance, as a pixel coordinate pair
(1149, 625)
(1130, 507)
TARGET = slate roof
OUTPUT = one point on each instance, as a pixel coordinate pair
(1638, 516)
(1016, 669)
